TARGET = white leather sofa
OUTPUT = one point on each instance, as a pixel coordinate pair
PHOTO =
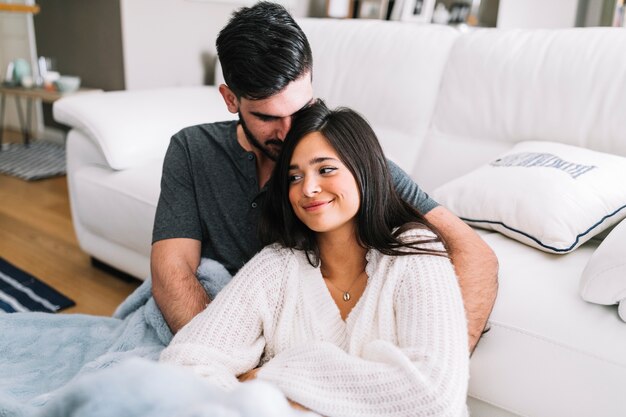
(443, 103)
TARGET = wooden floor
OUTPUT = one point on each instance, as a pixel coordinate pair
(36, 235)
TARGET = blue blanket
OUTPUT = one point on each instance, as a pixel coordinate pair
(137, 387)
(83, 365)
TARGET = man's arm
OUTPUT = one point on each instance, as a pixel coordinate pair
(476, 267)
(175, 288)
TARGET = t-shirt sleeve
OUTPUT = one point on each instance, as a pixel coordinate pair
(409, 191)
(177, 210)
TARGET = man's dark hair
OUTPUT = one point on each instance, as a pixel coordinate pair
(382, 216)
(261, 50)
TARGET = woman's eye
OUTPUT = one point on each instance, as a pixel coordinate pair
(294, 178)
(327, 170)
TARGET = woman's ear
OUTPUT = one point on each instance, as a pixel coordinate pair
(232, 103)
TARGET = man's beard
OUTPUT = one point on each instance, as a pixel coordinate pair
(271, 152)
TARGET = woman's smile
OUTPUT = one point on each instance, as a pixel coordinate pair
(316, 205)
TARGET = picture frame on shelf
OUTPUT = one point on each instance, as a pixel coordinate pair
(396, 6)
(618, 15)
(459, 12)
(418, 11)
(339, 9)
(373, 9)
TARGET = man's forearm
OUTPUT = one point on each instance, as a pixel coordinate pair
(477, 270)
(175, 288)
(476, 267)
(180, 301)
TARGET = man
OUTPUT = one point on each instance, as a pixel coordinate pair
(214, 175)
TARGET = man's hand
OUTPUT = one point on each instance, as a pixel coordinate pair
(476, 267)
(175, 288)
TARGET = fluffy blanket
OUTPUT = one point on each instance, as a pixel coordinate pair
(80, 365)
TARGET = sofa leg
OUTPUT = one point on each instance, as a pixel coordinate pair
(98, 264)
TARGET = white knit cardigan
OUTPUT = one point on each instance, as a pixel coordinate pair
(402, 351)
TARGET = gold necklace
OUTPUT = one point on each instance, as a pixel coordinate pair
(346, 293)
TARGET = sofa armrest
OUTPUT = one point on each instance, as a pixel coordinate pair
(131, 127)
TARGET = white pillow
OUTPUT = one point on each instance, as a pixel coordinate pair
(548, 195)
(604, 279)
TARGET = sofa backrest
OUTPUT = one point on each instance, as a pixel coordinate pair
(388, 71)
(501, 87)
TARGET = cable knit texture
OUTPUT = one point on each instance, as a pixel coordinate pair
(402, 350)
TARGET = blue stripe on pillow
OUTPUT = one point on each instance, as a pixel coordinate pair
(534, 239)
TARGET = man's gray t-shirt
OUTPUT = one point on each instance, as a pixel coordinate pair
(210, 192)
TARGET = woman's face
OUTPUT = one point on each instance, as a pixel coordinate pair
(322, 190)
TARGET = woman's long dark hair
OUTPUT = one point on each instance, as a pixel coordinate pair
(382, 216)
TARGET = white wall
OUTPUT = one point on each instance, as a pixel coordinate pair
(537, 13)
(165, 42)
(172, 42)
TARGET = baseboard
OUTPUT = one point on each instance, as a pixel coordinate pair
(52, 134)
(98, 264)
(48, 133)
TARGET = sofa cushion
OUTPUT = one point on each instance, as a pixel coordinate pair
(398, 146)
(548, 195)
(519, 85)
(443, 158)
(132, 127)
(604, 278)
(548, 353)
(388, 71)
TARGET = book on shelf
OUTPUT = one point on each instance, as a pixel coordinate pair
(618, 16)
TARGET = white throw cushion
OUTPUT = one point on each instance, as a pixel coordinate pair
(604, 279)
(548, 195)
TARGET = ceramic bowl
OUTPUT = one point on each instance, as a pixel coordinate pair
(27, 81)
(67, 83)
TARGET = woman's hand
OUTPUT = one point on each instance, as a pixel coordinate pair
(248, 376)
(297, 406)
(251, 374)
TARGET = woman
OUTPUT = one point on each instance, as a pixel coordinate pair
(354, 308)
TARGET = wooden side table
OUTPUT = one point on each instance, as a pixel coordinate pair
(30, 94)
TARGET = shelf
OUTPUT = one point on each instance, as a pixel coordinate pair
(19, 8)
(46, 96)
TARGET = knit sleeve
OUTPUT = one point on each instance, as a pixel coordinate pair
(226, 339)
(424, 374)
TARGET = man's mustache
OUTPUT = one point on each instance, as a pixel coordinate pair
(275, 142)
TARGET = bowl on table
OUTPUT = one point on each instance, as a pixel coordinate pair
(67, 83)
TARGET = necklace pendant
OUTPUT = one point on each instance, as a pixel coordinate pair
(346, 296)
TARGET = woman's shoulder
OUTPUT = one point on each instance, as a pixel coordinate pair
(276, 249)
(274, 254)
(267, 271)
(274, 260)
(411, 232)
(417, 238)
(426, 257)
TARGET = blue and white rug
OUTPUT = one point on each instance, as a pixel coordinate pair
(38, 160)
(21, 292)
